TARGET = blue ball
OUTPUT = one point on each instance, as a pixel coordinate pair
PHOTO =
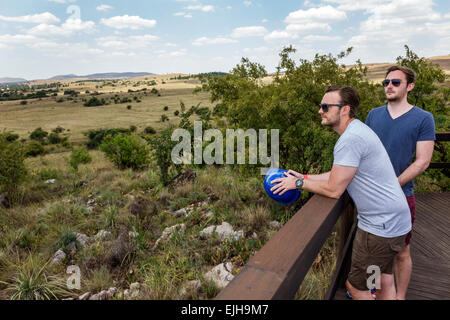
(289, 196)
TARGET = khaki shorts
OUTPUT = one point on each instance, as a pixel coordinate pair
(371, 250)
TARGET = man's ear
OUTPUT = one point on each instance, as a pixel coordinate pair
(410, 87)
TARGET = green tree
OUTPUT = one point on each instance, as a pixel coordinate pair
(78, 156)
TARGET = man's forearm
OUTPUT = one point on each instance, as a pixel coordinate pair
(414, 170)
(321, 187)
(319, 177)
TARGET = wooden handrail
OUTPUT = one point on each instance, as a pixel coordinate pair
(277, 269)
(440, 137)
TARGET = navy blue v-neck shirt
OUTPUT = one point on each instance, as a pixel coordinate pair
(400, 135)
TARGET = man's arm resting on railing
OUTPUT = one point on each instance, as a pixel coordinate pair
(339, 178)
(424, 153)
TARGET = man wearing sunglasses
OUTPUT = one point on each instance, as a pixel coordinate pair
(362, 166)
(405, 130)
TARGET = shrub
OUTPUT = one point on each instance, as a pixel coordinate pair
(149, 130)
(23, 102)
(38, 134)
(34, 149)
(78, 156)
(54, 138)
(126, 151)
(96, 136)
(94, 102)
(129, 107)
(12, 166)
(58, 129)
(166, 108)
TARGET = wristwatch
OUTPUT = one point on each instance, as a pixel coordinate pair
(299, 183)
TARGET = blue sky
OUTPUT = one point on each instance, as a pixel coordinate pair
(43, 38)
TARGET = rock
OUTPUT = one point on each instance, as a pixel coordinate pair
(91, 203)
(221, 275)
(255, 236)
(102, 295)
(224, 231)
(84, 296)
(181, 213)
(181, 228)
(72, 246)
(103, 235)
(50, 181)
(111, 292)
(190, 288)
(133, 292)
(274, 224)
(82, 239)
(59, 256)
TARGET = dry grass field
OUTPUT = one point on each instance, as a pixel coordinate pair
(73, 116)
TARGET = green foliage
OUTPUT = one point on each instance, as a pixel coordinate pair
(54, 138)
(34, 149)
(96, 136)
(126, 151)
(162, 145)
(94, 102)
(78, 156)
(149, 130)
(290, 103)
(12, 166)
(38, 134)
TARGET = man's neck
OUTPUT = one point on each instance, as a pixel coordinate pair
(340, 129)
(398, 108)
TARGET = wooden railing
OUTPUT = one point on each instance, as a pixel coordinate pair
(440, 137)
(277, 270)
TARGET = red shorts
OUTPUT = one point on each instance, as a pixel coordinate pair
(412, 208)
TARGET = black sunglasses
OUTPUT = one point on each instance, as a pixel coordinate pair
(395, 82)
(326, 106)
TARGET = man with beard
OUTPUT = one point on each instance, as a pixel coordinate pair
(405, 130)
(362, 166)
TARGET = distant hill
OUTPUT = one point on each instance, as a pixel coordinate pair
(12, 80)
(110, 75)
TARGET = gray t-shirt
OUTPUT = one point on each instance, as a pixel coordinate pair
(381, 203)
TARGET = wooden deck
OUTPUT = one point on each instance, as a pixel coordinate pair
(430, 248)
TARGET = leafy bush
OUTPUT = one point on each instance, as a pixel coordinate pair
(94, 102)
(58, 129)
(34, 149)
(38, 134)
(149, 130)
(12, 166)
(126, 151)
(78, 156)
(54, 138)
(96, 136)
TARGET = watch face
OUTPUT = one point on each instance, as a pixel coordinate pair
(299, 183)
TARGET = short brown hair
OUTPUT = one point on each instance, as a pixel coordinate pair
(348, 96)
(410, 74)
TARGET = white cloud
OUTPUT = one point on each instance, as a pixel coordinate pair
(183, 14)
(326, 14)
(104, 7)
(278, 35)
(207, 8)
(128, 22)
(68, 28)
(322, 38)
(247, 3)
(179, 53)
(45, 17)
(308, 27)
(218, 40)
(251, 31)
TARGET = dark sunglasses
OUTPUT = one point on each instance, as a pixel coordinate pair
(326, 106)
(395, 82)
